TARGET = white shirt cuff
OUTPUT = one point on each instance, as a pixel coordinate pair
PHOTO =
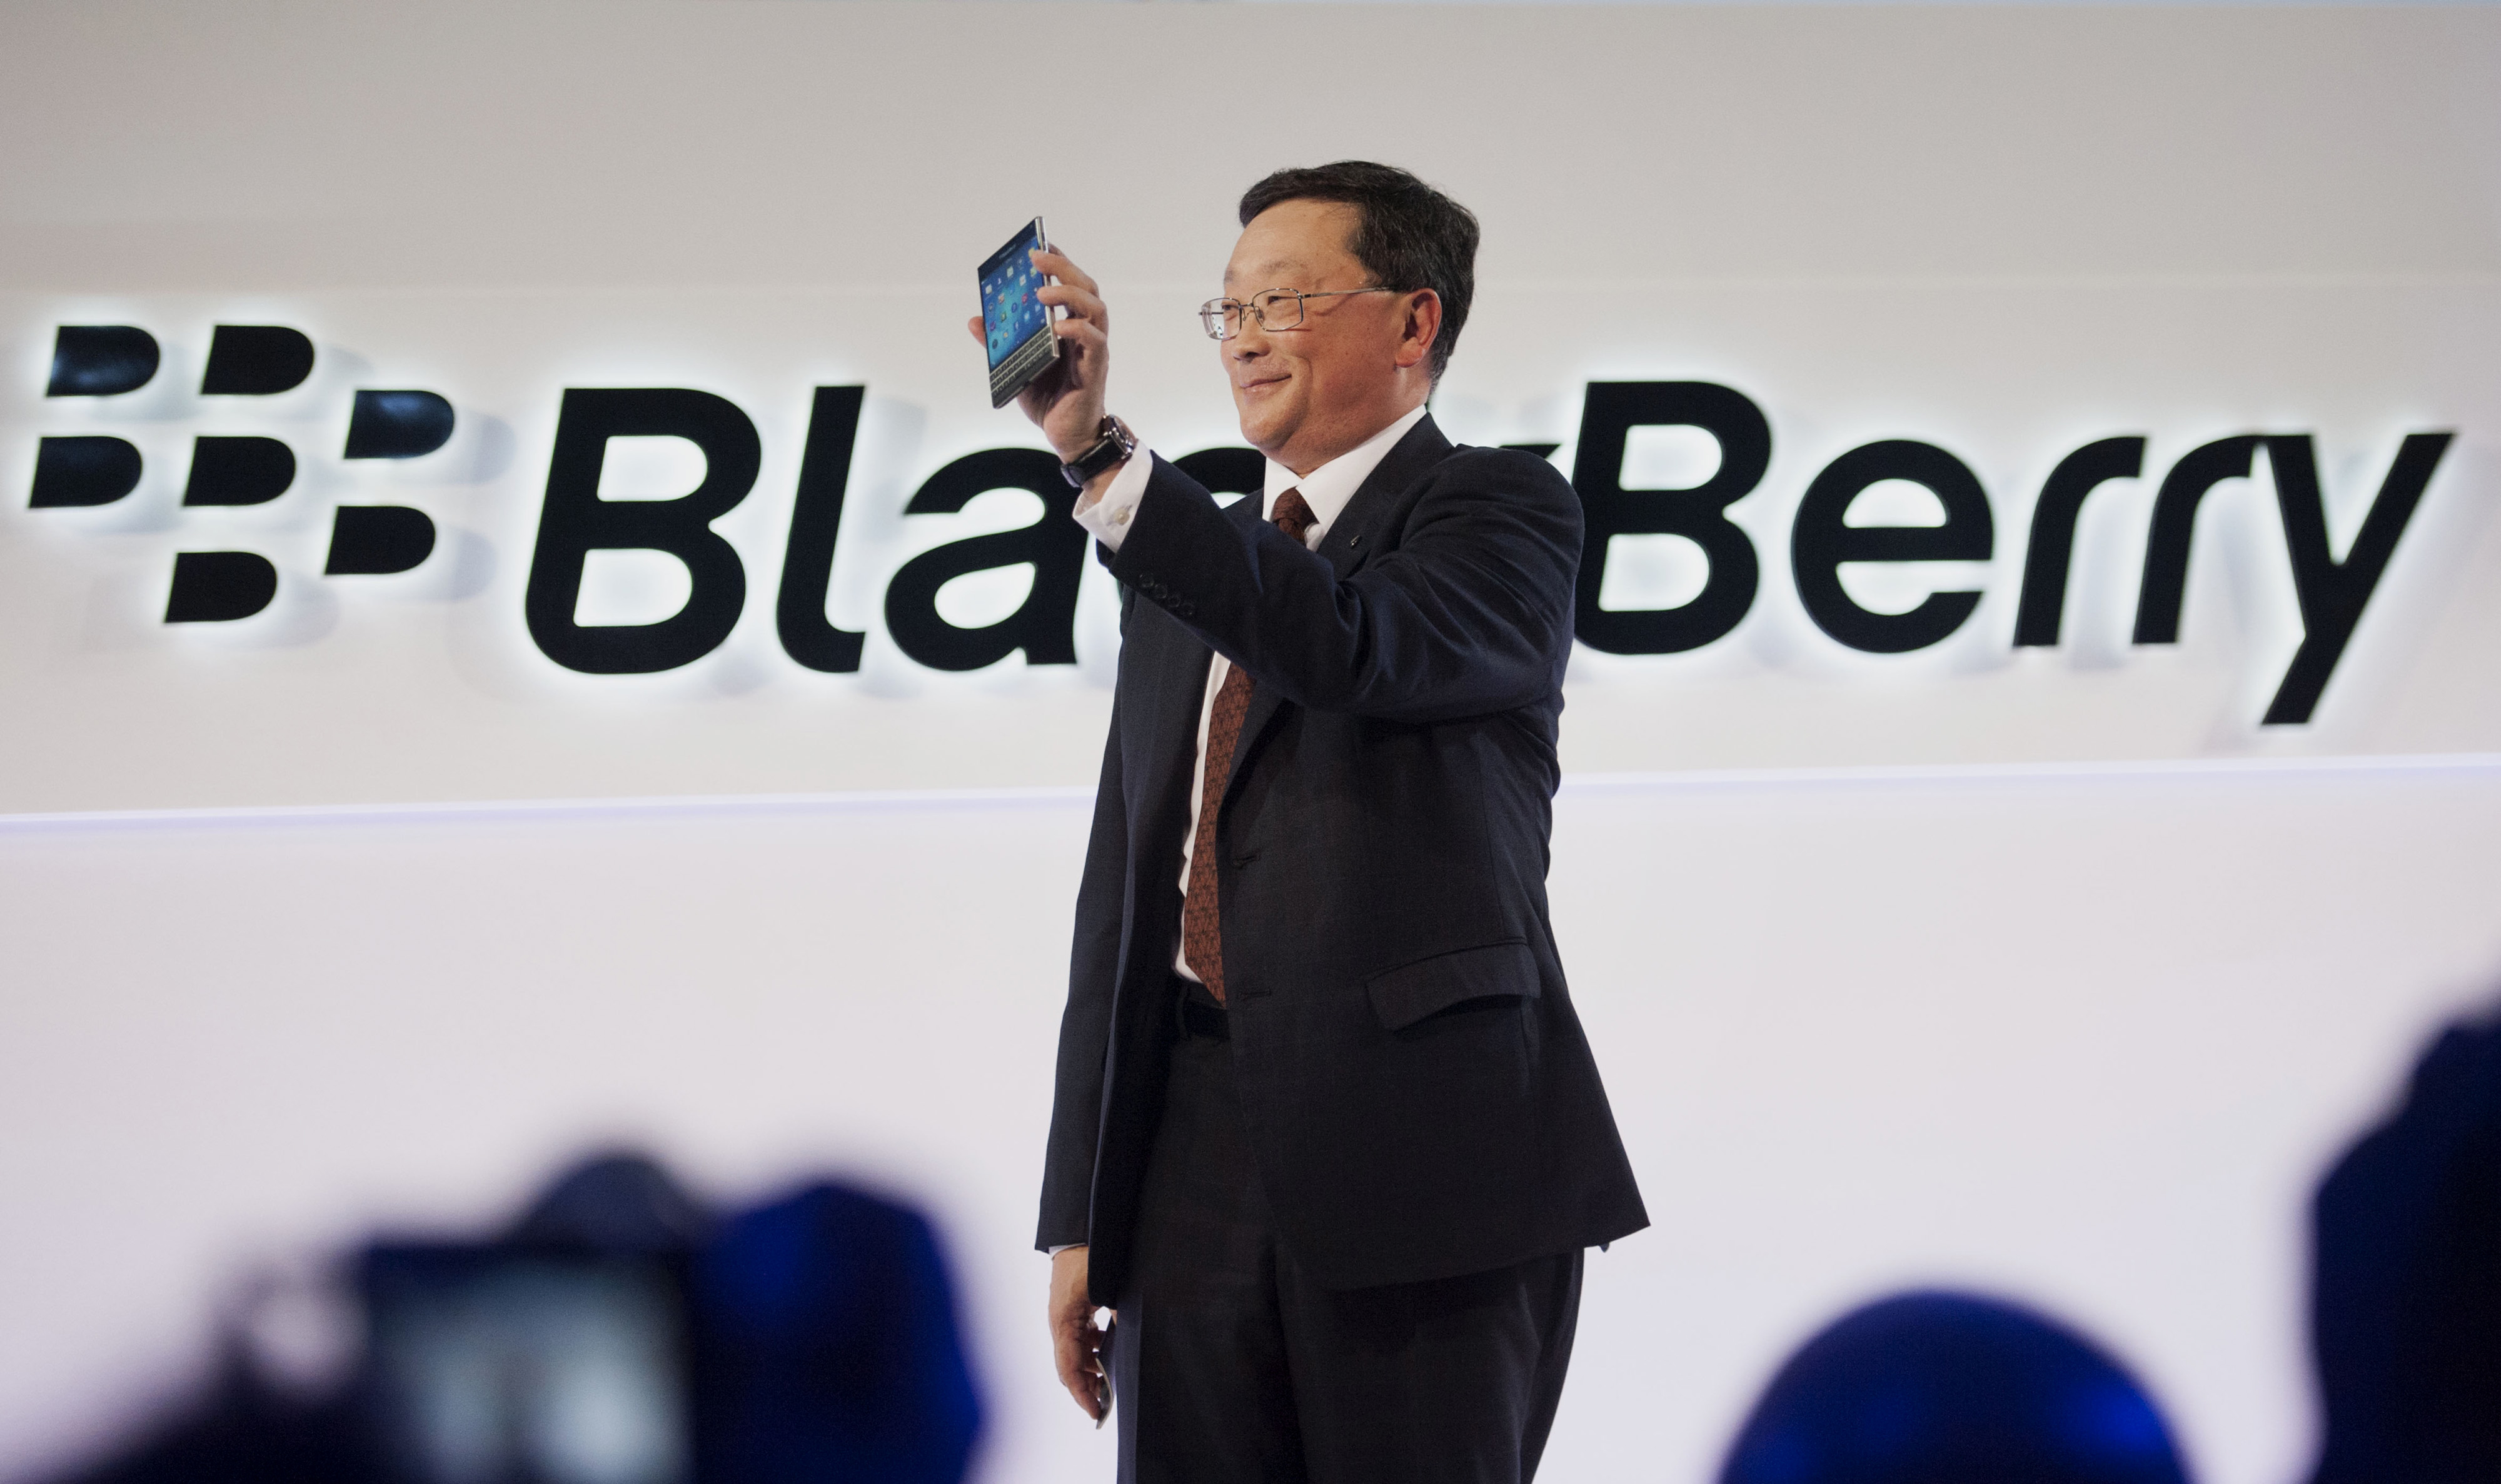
(1109, 517)
(1064, 1246)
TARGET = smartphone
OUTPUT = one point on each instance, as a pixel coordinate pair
(1016, 326)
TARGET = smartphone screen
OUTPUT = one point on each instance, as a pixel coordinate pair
(1015, 325)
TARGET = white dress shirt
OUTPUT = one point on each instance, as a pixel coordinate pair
(1325, 489)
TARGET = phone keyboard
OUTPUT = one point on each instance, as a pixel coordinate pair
(1008, 377)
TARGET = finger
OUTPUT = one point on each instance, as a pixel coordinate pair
(1084, 1393)
(1059, 267)
(974, 324)
(1069, 1359)
(1077, 301)
(1073, 1375)
(1086, 351)
(1084, 332)
(1084, 1387)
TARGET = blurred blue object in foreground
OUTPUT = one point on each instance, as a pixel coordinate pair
(830, 1348)
(619, 1201)
(617, 1332)
(2405, 1293)
(1940, 1387)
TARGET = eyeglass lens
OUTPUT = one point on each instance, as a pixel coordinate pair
(1274, 310)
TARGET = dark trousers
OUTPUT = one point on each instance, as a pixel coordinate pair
(1229, 1365)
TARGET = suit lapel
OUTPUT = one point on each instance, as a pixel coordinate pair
(1350, 541)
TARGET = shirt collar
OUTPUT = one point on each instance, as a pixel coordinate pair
(1327, 488)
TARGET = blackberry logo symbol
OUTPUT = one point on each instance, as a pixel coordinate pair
(245, 360)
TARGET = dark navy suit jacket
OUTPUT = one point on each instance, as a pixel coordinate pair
(1416, 1087)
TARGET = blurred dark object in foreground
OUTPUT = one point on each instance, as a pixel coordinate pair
(1936, 1388)
(2406, 1297)
(616, 1335)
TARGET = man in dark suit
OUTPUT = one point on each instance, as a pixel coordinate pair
(1327, 1135)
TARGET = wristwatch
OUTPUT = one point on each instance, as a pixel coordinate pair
(1116, 444)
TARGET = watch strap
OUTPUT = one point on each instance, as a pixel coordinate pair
(1116, 444)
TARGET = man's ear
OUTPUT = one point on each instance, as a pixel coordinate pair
(1423, 326)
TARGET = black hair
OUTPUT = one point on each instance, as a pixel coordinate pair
(1407, 235)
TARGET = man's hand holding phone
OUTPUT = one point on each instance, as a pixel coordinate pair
(1066, 400)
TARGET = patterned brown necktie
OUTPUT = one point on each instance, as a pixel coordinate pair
(1202, 941)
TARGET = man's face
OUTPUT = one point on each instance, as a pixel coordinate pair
(1308, 393)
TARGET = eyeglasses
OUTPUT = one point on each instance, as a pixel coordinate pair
(1276, 308)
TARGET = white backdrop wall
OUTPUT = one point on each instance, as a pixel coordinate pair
(2072, 1003)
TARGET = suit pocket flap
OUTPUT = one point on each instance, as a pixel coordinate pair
(1409, 992)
